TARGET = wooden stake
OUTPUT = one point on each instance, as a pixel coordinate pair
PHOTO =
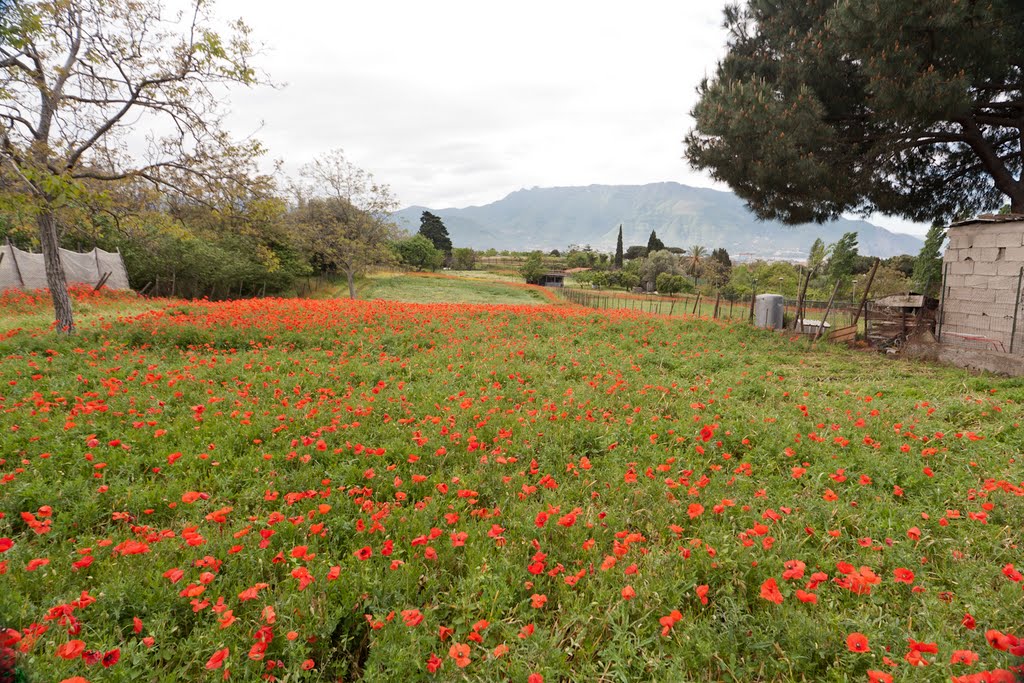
(821, 324)
(867, 288)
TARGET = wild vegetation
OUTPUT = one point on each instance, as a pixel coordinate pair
(338, 490)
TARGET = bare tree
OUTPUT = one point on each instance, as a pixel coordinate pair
(78, 76)
(344, 215)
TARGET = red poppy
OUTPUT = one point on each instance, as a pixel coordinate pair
(702, 593)
(111, 657)
(460, 653)
(857, 642)
(902, 575)
(770, 591)
(71, 650)
(216, 660)
(963, 657)
(878, 676)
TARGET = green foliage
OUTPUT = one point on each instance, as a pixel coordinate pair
(315, 421)
(718, 268)
(419, 252)
(843, 256)
(888, 280)
(656, 263)
(432, 227)
(904, 263)
(654, 244)
(777, 277)
(635, 252)
(667, 283)
(908, 107)
(463, 258)
(694, 262)
(581, 258)
(817, 256)
(927, 274)
(533, 269)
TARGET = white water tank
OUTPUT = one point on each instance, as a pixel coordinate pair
(768, 311)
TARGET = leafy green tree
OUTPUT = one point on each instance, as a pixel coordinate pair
(76, 76)
(344, 216)
(908, 107)
(463, 258)
(844, 254)
(656, 263)
(419, 252)
(817, 256)
(904, 263)
(635, 252)
(718, 267)
(341, 237)
(628, 280)
(927, 275)
(667, 283)
(432, 227)
(618, 250)
(654, 244)
(532, 269)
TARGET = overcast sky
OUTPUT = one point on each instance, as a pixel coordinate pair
(459, 102)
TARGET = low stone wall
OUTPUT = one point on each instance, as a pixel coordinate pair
(970, 359)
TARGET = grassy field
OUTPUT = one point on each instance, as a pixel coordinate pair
(444, 288)
(328, 490)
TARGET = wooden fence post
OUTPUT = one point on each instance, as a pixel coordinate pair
(821, 325)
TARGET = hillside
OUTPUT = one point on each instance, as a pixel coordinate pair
(555, 217)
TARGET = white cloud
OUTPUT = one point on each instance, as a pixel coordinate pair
(458, 102)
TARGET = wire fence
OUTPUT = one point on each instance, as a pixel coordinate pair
(803, 319)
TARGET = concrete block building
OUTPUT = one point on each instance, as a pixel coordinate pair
(983, 270)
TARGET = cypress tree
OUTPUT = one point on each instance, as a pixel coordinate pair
(618, 250)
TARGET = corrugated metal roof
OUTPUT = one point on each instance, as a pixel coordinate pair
(991, 218)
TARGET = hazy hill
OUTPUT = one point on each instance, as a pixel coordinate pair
(555, 217)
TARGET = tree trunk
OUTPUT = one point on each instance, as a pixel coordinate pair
(351, 285)
(55, 279)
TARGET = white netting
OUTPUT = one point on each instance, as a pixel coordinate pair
(24, 270)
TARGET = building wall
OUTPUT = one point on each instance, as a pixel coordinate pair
(983, 267)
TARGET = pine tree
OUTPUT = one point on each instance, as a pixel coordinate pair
(618, 250)
(907, 107)
(432, 227)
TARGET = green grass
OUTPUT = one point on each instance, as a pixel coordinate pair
(446, 289)
(441, 470)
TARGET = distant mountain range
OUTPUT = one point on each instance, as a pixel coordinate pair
(554, 217)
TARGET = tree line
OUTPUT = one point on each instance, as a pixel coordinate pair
(657, 267)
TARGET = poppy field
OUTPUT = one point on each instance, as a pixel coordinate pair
(336, 491)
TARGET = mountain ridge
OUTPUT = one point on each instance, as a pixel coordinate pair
(554, 217)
